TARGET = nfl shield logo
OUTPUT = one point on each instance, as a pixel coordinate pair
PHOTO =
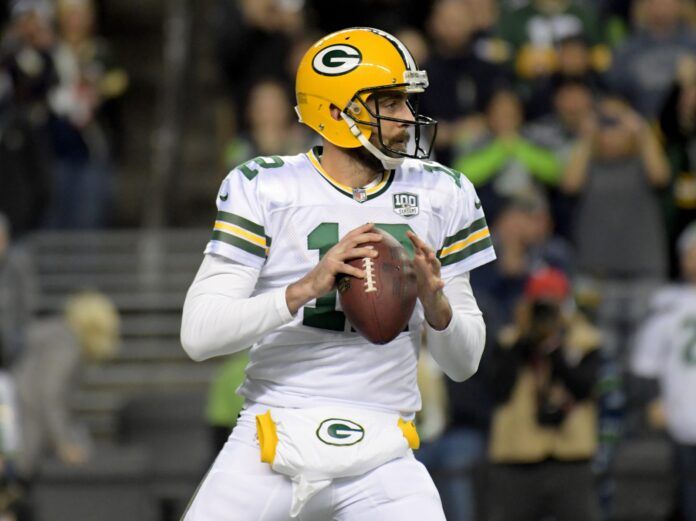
(406, 204)
(360, 195)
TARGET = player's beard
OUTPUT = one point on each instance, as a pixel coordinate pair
(369, 161)
(366, 160)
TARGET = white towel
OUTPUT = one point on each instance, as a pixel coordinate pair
(319, 444)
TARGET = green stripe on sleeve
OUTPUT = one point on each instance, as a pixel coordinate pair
(239, 243)
(467, 252)
(240, 221)
(478, 224)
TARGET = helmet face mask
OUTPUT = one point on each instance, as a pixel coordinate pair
(421, 130)
(350, 70)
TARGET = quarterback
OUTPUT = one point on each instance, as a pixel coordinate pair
(327, 432)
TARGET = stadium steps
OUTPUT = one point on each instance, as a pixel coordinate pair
(146, 275)
(645, 479)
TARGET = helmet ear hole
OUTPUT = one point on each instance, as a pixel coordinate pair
(335, 112)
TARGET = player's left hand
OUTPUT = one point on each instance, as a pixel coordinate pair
(437, 309)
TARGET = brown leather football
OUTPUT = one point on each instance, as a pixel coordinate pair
(380, 305)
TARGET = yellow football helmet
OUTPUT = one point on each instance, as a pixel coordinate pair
(344, 69)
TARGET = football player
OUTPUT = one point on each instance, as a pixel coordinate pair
(326, 431)
(665, 350)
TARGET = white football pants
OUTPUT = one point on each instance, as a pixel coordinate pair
(239, 487)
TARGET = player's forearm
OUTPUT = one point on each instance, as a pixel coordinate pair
(438, 312)
(458, 348)
(297, 295)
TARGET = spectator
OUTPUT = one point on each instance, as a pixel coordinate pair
(272, 127)
(485, 15)
(678, 125)
(535, 29)
(26, 57)
(499, 287)
(545, 248)
(504, 163)
(544, 430)
(27, 74)
(572, 100)
(46, 373)
(18, 288)
(575, 63)
(615, 170)
(89, 83)
(460, 76)
(646, 65)
(524, 241)
(665, 350)
(264, 29)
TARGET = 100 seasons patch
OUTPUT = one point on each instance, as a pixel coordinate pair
(405, 204)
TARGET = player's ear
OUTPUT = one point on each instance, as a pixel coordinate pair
(335, 112)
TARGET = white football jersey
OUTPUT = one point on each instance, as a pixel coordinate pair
(666, 349)
(281, 214)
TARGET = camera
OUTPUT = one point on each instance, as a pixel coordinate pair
(549, 414)
(607, 121)
(545, 321)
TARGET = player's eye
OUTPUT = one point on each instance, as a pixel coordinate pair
(393, 104)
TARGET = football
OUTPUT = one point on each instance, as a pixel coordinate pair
(380, 305)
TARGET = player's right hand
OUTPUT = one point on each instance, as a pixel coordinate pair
(322, 279)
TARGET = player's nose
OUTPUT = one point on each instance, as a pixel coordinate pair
(405, 112)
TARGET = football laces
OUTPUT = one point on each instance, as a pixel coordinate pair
(369, 267)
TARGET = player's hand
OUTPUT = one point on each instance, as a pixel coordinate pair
(436, 307)
(322, 279)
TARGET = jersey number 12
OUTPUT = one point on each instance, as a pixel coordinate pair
(324, 237)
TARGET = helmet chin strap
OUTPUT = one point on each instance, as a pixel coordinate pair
(389, 163)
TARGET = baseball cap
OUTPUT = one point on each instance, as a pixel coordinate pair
(547, 284)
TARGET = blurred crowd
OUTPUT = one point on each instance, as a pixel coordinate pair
(59, 116)
(59, 138)
(576, 122)
(41, 357)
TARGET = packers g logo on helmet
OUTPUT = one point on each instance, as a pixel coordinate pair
(336, 60)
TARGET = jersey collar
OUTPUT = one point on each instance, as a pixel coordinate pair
(374, 189)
